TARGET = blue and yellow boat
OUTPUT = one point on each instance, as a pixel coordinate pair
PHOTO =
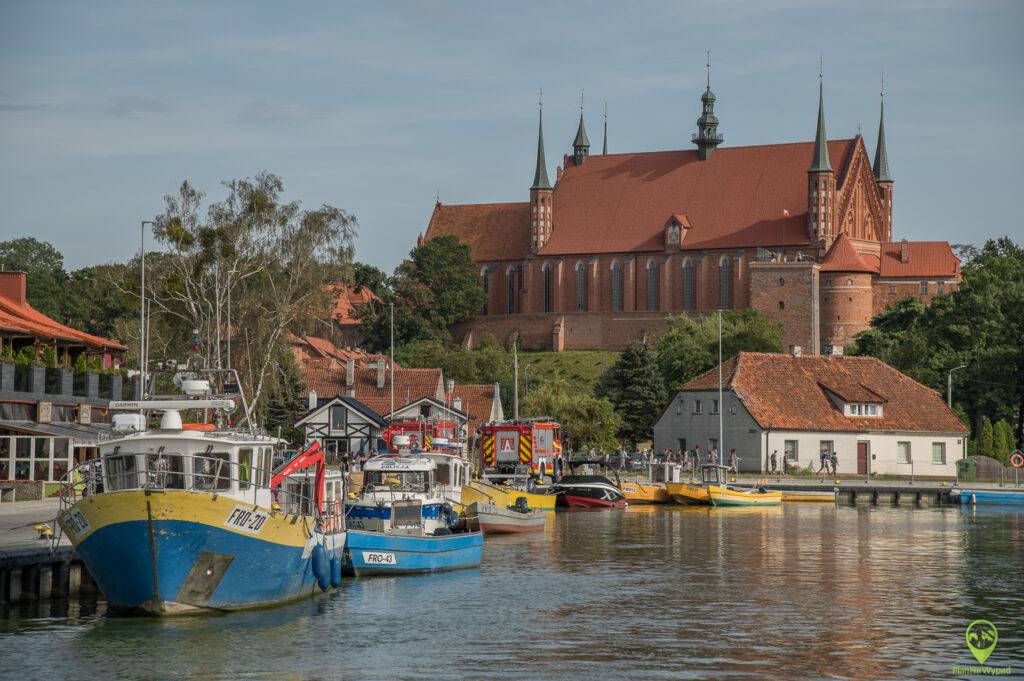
(178, 519)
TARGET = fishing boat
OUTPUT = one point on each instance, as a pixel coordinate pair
(727, 496)
(588, 491)
(653, 490)
(821, 496)
(696, 493)
(980, 497)
(494, 519)
(398, 553)
(504, 495)
(185, 517)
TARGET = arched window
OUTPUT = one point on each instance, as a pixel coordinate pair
(581, 287)
(689, 299)
(726, 298)
(510, 280)
(486, 275)
(652, 285)
(548, 291)
(616, 287)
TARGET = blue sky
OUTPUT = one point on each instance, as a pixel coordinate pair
(374, 107)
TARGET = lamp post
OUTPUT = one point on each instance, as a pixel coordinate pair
(949, 384)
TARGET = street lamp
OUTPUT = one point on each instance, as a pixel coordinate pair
(949, 384)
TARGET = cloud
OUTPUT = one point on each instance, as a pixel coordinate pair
(132, 106)
(277, 112)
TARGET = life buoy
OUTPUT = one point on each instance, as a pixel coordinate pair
(1017, 460)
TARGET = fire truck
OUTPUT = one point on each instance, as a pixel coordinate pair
(422, 433)
(527, 448)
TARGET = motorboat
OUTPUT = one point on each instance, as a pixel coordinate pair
(516, 519)
(696, 493)
(182, 518)
(505, 495)
(653, 490)
(728, 496)
(588, 491)
(990, 497)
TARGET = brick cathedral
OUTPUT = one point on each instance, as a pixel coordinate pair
(802, 232)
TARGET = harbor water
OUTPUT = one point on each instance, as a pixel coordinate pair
(663, 592)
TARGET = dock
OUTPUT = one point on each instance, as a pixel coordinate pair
(921, 493)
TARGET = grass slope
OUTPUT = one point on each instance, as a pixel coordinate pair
(577, 367)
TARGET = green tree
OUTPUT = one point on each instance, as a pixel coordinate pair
(690, 346)
(438, 286)
(635, 387)
(285, 405)
(368, 276)
(101, 295)
(986, 444)
(1002, 441)
(588, 422)
(44, 265)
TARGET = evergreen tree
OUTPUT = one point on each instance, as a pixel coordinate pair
(635, 388)
(286, 405)
(1003, 441)
(986, 445)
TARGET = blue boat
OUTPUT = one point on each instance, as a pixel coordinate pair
(388, 553)
(991, 497)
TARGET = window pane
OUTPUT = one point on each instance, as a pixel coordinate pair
(688, 286)
(212, 471)
(726, 298)
(791, 450)
(41, 470)
(938, 452)
(903, 452)
(165, 471)
(244, 466)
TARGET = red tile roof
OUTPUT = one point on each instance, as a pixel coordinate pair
(477, 401)
(843, 257)
(925, 259)
(324, 353)
(346, 299)
(783, 392)
(493, 231)
(18, 316)
(410, 385)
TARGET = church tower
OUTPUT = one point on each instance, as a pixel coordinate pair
(821, 184)
(581, 145)
(707, 137)
(881, 168)
(540, 193)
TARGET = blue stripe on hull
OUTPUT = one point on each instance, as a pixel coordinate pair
(992, 497)
(411, 554)
(261, 573)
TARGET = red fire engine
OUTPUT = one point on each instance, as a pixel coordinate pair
(506, 445)
(421, 433)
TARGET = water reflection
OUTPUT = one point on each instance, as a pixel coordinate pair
(646, 593)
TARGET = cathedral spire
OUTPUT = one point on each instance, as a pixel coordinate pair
(540, 175)
(881, 166)
(707, 137)
(604, 148)
(581, 145)
(820, 162)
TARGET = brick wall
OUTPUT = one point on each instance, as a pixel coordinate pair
(580, 330)
(889, 291)
(788, 292)
(846, 306)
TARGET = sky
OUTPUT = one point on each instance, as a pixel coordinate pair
(379, 107)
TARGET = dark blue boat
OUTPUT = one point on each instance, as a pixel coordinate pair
(991, 497)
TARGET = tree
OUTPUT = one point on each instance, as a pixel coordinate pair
(369, 277)
(1002, 441)
(268, 258)
(44, 266)
(436, 287)
(986, 445)
(99, 296)
(588, 422)
(285, 405)
(635, 388)
(690, 346)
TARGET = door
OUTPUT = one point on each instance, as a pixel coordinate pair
(862, 458)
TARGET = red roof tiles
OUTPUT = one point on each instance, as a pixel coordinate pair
(346, 299)
(783, 392)
(410, 385)
(843, 257)
(493, 231)
(924, 259)
(477, 401)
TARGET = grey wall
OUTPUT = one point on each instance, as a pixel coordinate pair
(739, 428)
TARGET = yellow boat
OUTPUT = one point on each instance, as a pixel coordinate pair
(724, 496)
(827, 496)
(637, 492)
(688, 493)
(485, 493)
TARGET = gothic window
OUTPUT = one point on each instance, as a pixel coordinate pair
(725, 301)
(581, 287)
(689, 302)
(487, 288)
(510, 279)
(616, 288)
(652, 285)
(547, 288)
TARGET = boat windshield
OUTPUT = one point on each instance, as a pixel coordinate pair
(397, 481)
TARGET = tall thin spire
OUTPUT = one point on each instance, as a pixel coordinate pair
(881, 166)
(820, 162)
(707, 137)
(604, 148)
(581, 145)
(540, 175)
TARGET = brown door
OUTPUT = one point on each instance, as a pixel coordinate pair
(862, 458)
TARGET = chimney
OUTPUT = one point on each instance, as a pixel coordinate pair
(457, 403)
(837, 350)
(795, 350)
(350, 372)
(380, 373)
(312, 400)
(904, 251)
(12, 285)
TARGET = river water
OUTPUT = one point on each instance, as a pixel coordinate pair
(802, 591)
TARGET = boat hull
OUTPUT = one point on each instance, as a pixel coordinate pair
(490, 519)
(799, 496)
(723, 496)
(688, 494)
(378, 553)
(482, 492)
(992, 497)
(645, 493)
(574, 501)
(172, 551)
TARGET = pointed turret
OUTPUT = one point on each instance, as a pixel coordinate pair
(581, 145)
(604, 147)
(881, 166)
(820, 162)
(707, 138)
(540, 175)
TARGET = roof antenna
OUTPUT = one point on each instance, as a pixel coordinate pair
(581, 100)
(882, 93)
(540, 100)
(821, 66)
(437, 196)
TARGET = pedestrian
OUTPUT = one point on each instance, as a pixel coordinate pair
(775, 461)
(713, 455)
(733, 461)
(835, 463)
(823, 460)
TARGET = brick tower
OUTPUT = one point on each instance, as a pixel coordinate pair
(821, 185)
(540, 193)
(881, 169)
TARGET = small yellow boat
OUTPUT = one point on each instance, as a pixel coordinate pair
(637, 492)
(724, 496)
(688, 493)
(478, 491)
(824, 496)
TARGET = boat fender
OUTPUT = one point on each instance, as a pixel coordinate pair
(336, 571)
(321, 567)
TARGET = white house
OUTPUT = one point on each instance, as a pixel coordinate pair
(342, 424)
(876, 419)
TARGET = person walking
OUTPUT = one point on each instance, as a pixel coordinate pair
(823, 462)
(775, 461)
(835, 464)
(734, 461)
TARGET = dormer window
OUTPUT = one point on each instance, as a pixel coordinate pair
(868, 409)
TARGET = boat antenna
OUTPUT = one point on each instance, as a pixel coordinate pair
(142, 309)
(392, 358)
(721, 407)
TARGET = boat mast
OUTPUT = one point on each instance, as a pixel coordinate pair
(721, 407)
(515, 379)
(392, 360)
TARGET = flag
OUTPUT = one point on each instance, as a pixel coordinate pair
(785, 213)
